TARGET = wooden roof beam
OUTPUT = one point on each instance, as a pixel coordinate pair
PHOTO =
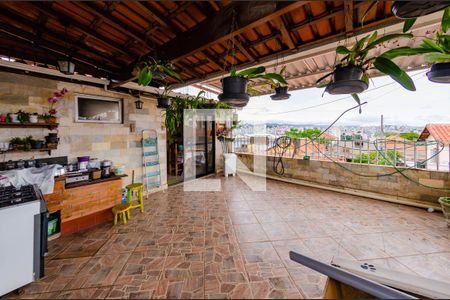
(348, 11)
(54, 35)
(211, 59)
(47, 10)
(108, 18)
(216, 28)
(58, 50)
(243, 49)
(286, 37)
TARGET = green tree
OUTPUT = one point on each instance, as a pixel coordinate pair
(311, 133)
(385, 158)
(411, 136)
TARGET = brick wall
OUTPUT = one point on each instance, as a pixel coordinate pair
(329, 174)
(115, 142)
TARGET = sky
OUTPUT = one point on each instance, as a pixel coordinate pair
(430, 103)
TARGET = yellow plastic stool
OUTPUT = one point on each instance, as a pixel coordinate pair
(140, 200)
(123, 211)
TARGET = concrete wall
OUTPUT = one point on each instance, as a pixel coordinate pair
(120, 143)
(328, 174)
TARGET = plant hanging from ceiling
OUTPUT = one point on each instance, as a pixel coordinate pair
(235, 86)
(156, 69)
(350, 75)
(281, 89)
(435, 51)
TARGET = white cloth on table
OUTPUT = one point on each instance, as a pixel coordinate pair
(43, 177)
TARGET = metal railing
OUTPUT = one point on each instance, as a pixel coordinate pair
(401, 153)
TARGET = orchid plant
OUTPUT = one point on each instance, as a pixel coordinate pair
(55, 98)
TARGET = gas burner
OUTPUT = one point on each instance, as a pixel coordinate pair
(11, 195)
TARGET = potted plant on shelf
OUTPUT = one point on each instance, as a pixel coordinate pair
(445, 204)
(234, 87)
(36, 144)
(350, 74)
(23, 117)
(14, 118)
(16, 143)
(435, 51)
(34, 118)
(281, 89)
(50, 117)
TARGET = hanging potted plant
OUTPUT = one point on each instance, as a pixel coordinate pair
(234, 87)
(281, 90)
(155, 69)
(163, 97)
(414, 9)
(435, 51)
(350, 74)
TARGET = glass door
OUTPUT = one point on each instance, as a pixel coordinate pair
(204, 148)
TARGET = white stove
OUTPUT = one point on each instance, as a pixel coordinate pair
(23, 236)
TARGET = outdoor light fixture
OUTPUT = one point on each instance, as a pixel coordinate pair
(139, 104)
(66, 66)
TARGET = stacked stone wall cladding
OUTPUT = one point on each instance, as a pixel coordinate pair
(120, 143)
(329, 174)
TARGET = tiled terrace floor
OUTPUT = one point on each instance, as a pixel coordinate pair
(235, 244)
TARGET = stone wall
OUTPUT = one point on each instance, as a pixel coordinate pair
(120, 143)
(328, 174)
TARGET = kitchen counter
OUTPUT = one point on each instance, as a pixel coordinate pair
(93, 181)
(84, 204)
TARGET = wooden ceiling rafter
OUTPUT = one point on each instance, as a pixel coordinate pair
(49, 11)
(58, 50)
(108, 18)
(348, 16)
(285, 34)
(54, 35)
(202, 36)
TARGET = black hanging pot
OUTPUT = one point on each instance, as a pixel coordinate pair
(234, 91)
(52, 138)
(281, 93)
(347, 80)
(439, 72)
(414, 9)
(163, 102)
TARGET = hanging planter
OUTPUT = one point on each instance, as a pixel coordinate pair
(163, 102)
(414, 9)
(350, 76)
(281, 89)
(281, 93)
(347, 80)
(439, 73)
(234, 91)
(435, 51)
(235, 86)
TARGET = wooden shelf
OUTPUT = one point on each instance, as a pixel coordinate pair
(29, 125)
(31, 150)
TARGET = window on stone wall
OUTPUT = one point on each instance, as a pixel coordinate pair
(97, 109)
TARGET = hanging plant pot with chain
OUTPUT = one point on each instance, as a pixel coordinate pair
(163, 102)
(281, 88)
(281, 93)
(414, 9)
(350, 75)
(234, 91)
(347, 80)
(435, 50)
(235, 86)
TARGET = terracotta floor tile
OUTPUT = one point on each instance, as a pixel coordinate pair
(250, 233)
(279, 231)
(235, 244)
(99, 271)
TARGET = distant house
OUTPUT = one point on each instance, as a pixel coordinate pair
(440, 133)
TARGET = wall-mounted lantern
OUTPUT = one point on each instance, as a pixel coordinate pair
(139, 104)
